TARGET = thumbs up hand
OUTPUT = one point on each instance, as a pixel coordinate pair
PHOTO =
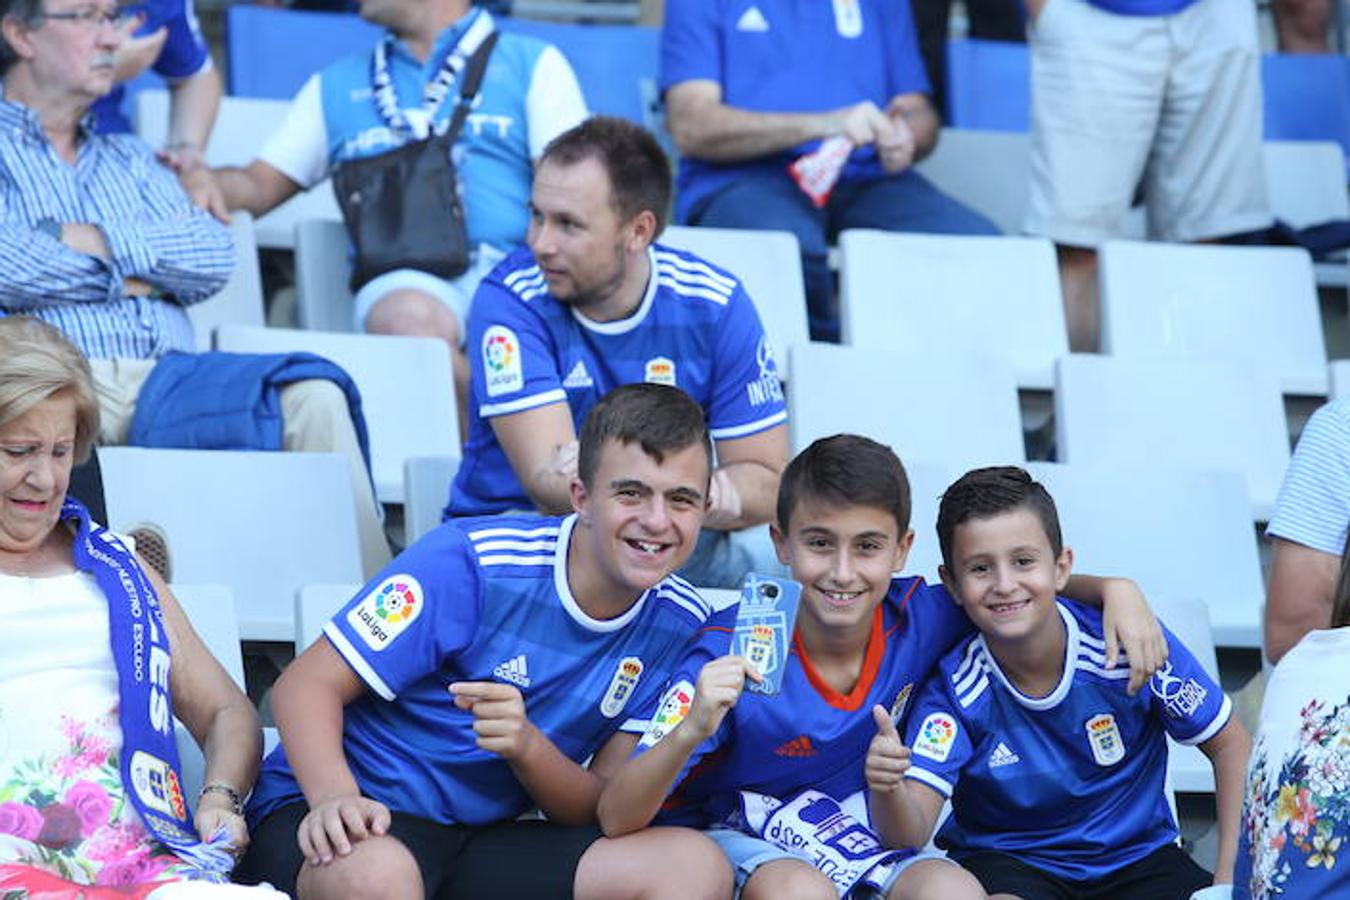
(887, 756)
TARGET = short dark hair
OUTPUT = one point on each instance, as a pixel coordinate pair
(659, 418)
(28, 12)
(637, 167)
(846, 470)
(994, 491)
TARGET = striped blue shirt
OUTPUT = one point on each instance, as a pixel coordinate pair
(1313, 508)
(153, 232)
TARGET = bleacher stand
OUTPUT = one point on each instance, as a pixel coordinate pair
(383, 102)
(839, 92)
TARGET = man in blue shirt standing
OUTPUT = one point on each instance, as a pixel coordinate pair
(595, 303)
(529, 95)
(753, 86)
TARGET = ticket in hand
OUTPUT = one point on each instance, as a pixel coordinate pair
(763, 633)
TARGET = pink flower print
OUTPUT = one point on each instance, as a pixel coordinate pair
(135, 869)
(67, 766)
(93, 752)
(60, 827)
(91, 804)
(20, 820)
(71, 729)
(112, 842)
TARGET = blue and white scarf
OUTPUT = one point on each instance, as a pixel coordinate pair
(814, 827)
(140, 649)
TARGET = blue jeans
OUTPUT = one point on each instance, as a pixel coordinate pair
(771, 200)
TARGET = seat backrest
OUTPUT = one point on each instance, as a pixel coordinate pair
(240, 301)
(1182, 412)
(242, 126)
(989, 171)
(768, 263)
(426, 489)
(994, 297)
(407, 390)
(210, 609)
(1254, 306)
(1306, 97)
(314, 606)
(271, 52)
(988, 85)
(1306, 181)
(1178, 532)
(1340, 378)
(961, 412)
(927, 480)
(323, 298)
(262, 524)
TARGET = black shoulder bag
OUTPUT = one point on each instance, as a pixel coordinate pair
(402, 208)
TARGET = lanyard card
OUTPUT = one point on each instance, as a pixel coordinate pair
(764, 624)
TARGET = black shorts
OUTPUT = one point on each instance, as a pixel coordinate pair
(1165, 874)
(504, 859)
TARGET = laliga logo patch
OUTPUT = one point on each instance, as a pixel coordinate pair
(936, 736)
(674, 707)
(1107, 746)
(387, 611)
(155, 783)
(621, 686)
(901, 701)
(660, 370)
(501, 361)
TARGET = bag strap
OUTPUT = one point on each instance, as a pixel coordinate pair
(469, 85)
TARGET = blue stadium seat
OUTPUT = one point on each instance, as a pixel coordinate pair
(1307, 98)
(272, 51)
(988, 85)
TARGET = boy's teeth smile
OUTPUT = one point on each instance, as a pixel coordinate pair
(1001, 608)
(649, 547)
(840, 598)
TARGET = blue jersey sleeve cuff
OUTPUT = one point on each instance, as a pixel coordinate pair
(488, 410)
(1216, 724)
(356, 661)
(941, 785)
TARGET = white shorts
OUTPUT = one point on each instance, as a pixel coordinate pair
(455, 293)
(1172, 102)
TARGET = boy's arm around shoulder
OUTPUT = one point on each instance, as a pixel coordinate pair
(902, 810)
(308, 703)
(1228, 752)
(1128, 624)
(634, 795)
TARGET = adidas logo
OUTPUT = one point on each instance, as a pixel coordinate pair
(578, 377)
(752, 20)
(1002, 756)
(515, 671)
(796, 748)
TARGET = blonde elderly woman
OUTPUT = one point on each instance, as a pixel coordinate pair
(96, 658)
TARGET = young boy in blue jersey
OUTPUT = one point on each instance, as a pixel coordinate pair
(1055, 772)
(864, 640)
(468, 682)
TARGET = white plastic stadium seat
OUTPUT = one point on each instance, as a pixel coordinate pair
(1199, 413)
(989, 171)
(1254, 306)
(323, 298)
(957, 411)
(243, 125)
(995, 297)
(426, 490)
(240, 301)
(1177, 532)
(768, 263)
(314, 606)
(1340, 378)
(261, 523)
(407, 391)
(210, 609)
(927, 481)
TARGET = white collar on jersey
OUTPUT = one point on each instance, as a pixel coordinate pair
(625, 325)
(1052, 699)
(569, 602)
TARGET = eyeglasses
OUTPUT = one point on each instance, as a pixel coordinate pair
(91, 16)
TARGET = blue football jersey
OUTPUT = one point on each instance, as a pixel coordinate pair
(807, 735)
(488, 600)
(1072, 782)
(695, 329)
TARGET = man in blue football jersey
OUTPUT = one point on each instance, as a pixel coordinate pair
(594, 303)
(1055, 773)
(864, 640)
(471, 679)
